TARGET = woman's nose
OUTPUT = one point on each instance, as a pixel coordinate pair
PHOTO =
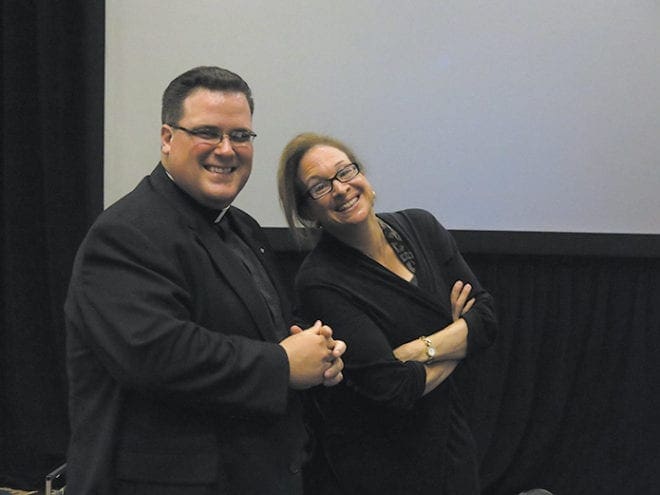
(338, 187)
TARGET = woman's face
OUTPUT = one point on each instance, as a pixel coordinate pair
(349, 203)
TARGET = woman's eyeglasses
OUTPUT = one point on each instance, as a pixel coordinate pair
(325, 186)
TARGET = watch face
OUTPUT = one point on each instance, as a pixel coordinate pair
(430, 351)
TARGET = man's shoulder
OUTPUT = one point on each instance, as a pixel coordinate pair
(144, 213)
(245, 217)
(143, 202)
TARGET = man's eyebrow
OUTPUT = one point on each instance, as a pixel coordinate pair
(205, 127)
(216, 128)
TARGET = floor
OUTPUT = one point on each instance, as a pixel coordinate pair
(11, 491)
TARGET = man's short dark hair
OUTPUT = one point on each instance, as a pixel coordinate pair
(208, 77)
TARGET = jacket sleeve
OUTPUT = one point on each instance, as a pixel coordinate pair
(481, 319)
(370, 367)
(130, 310)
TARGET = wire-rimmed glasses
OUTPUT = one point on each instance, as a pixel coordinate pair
(214, 136)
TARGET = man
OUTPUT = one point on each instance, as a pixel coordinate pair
(177, 381)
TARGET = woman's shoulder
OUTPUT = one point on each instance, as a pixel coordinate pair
(422, 229)
(414, 214)
(323, 262)
(415, 218)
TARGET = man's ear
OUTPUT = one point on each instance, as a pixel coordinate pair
(166, 135)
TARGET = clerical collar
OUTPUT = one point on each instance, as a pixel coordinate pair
(214, 215)
(221, 214)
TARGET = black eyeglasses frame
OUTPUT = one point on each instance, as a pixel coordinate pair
(197, 133)
(331, 181)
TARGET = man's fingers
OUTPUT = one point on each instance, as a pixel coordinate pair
(294, 329)
(333, 375)
(339, 348)
(334, 381)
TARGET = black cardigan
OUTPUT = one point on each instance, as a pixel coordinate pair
(379, 433)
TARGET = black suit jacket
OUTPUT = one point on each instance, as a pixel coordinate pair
(174, 373)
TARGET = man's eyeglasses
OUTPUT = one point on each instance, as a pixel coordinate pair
(214, 136)
(325, 186)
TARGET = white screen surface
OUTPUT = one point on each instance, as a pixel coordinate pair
(511, 115)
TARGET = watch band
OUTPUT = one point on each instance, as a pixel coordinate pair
(430, 350)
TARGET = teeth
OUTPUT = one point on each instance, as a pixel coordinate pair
(347, 205)
(219, 170)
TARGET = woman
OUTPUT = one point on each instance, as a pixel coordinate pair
(394, 287)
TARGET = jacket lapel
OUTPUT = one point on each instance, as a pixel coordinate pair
(416, 293)
(237, 277)
(220, 254)
(255, 238)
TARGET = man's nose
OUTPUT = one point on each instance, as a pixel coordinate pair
(224, 146)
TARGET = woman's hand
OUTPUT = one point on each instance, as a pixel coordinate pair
(415, 350)
(459, 299)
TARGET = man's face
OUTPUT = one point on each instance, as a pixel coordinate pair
(211, 174)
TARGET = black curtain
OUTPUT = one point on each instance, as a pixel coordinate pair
(51, 181)
(567, 398)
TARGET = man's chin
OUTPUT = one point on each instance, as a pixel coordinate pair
(219, 201)
(217, 204)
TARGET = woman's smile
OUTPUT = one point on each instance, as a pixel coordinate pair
(348, 204)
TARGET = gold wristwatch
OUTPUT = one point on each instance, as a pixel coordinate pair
(430, 350)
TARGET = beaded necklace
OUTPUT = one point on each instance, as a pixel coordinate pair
(400, 247)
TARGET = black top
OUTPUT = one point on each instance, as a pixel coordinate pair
(379, 433)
